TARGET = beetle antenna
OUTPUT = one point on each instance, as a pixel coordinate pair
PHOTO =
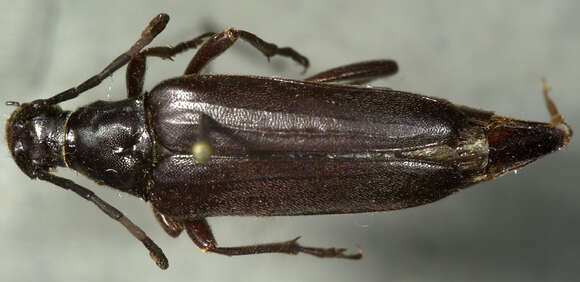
(154, 251)
(155, 26)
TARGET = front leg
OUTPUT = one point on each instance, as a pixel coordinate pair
(169, 224)
(136, 67)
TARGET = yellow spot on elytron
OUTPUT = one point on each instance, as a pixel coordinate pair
(202, 151)
(204, 250)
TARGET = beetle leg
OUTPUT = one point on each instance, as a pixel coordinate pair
(220, 42)
(136, 67)
(170, 225)
(135, 75)
(357, 73)
(200, 232)
(154, 251)
(155, 26)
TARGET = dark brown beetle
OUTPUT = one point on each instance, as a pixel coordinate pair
(197, 146)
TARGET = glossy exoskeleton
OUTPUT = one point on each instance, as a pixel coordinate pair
(198, 146)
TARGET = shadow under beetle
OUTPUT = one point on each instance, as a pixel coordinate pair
(198, 146)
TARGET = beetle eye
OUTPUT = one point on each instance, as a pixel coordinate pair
(202, 150)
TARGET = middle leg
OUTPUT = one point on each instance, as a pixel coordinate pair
(200, 232)
(220, 42)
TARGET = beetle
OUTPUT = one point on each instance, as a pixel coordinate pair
(197, 146)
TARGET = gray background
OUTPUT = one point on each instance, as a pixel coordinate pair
(485, 54)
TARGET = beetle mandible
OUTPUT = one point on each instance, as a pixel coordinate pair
(198, 146)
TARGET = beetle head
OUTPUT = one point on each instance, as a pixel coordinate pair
(35, 135)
